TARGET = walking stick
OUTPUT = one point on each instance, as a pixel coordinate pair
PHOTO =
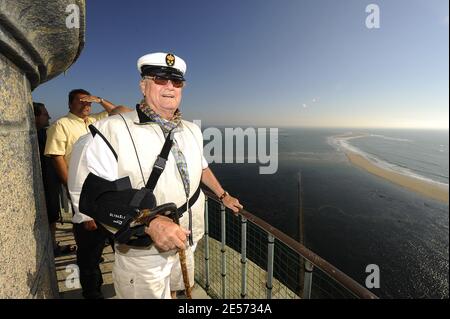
(184, 271)
(168, 209)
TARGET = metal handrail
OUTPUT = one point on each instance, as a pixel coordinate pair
(340, 277)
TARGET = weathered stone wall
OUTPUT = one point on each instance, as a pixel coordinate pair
(35, 46)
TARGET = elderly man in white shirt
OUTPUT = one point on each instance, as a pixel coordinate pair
(129, 145)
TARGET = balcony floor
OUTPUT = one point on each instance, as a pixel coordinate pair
(64, 269)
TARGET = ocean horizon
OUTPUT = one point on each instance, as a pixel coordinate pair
(353, 218)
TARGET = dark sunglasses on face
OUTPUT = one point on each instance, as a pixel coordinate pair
(163, 81)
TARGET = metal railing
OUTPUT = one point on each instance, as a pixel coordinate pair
(242, 256)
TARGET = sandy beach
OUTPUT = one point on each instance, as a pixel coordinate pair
(433, 190)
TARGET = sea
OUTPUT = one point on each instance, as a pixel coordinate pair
(352, 218)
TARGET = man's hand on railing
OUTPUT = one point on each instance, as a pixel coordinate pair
(166, 235)
(232, 203)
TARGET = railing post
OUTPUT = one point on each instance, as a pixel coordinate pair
(206, 244)
(224, 266)
(309, 267)
(243, 257)
(270, 255)
(292, 244)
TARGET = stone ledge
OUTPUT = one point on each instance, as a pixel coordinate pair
(37, 39)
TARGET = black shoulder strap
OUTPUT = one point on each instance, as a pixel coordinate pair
(95, 131)
(134, 145)
(160, 163)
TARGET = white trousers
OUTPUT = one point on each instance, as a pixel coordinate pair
(144, 277)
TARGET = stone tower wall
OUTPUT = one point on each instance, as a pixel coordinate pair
(35, 46)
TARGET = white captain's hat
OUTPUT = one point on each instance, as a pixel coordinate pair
(162, 64)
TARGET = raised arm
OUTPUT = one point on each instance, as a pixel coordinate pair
(107, 105)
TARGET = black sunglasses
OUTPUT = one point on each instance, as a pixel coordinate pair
(177, 83)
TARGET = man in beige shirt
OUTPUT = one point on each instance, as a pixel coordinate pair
(65, 132)
(61, 137)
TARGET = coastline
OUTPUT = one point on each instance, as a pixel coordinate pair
(428, 189)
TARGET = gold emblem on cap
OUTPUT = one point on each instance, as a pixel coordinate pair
(170, 59)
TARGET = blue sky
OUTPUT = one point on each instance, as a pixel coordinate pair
(273, 63)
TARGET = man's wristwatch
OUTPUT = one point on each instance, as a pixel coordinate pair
(225, 194)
